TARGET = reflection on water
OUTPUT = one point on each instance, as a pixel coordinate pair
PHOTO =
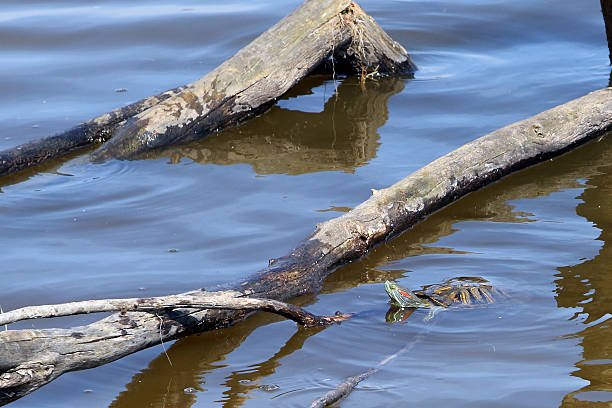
(211, 357)
(50, 167)
(195, 358)
(492, 204)
(342, 136)
(397, 314)
(587, 289)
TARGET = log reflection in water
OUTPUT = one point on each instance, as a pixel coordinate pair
(194, 357)
(198, 356)
(588, 288)
(343, 136)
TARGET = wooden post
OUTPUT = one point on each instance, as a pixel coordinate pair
(606, 10)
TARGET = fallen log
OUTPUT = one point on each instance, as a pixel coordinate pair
(250, 81)
(39, 356)
(326, 35)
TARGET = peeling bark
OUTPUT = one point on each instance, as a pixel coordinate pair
(31, 358)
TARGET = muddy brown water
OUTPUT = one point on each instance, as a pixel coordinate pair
(214, 211)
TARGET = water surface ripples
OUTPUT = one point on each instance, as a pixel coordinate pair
(214, 211)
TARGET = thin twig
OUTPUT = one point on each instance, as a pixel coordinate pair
(161, 340)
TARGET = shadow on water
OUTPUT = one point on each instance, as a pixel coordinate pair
(342, 136)
(585, 286)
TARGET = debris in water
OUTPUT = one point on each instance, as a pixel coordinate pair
(269, 387)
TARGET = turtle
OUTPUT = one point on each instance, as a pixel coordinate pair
(459, 290)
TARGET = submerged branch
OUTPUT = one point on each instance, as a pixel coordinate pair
(343, 389)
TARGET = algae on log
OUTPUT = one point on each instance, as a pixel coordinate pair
(333, 34)
(250, 81)
(32, 358)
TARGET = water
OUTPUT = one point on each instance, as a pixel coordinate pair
(74, 230)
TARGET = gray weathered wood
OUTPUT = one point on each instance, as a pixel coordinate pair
(229, 300)
(31, 358)
(240, 88)
(251, 80)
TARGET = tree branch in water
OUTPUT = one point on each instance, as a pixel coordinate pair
(191, 300)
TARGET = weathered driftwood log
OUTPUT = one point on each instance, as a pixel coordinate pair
(336, 34)
(31, 358)
(251, 80)
(228, 300)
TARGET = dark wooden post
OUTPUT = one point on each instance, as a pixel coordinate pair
(606, 10)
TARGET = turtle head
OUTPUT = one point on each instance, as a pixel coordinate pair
(403, 297)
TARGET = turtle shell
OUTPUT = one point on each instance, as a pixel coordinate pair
(460, 290)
